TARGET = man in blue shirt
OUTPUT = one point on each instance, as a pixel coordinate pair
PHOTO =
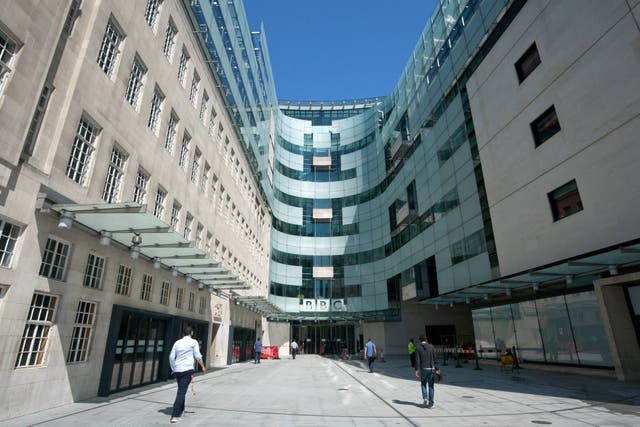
(184, 351)
(257, 348)
(370, 353)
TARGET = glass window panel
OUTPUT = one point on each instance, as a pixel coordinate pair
(591, 339)
(525, 319)
(483, 330)
(503, 328)
(556, 330)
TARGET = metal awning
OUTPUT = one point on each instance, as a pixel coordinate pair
(130, 225)
(575, 271)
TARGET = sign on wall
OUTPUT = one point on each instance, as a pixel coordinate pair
(322, 305)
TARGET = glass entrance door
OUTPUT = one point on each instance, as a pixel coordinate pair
(139, 351)
(325, 339)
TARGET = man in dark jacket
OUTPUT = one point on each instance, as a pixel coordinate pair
(425, 369)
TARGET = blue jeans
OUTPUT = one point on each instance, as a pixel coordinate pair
(257, 357)
(183, 379)
(426, 378)
(371, 359)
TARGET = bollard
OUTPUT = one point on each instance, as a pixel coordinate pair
(458, 365)
(444, 356)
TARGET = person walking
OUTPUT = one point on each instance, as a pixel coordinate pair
(425, 370)
(257, 350)
(181, 358)
(294, 349)
(370, 353)
(412, 353)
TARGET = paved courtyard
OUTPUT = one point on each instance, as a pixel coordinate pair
(315, 391)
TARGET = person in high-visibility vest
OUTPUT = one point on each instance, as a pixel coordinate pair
(412, 353)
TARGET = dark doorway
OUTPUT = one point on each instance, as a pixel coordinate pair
(441, 334)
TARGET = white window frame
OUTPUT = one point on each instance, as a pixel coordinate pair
(199, 231)
(35, 337)
(82, 334)
(8, 51)
(192, 301)
(172, 128)
(205, 178)
(155, 111)
(9, 235)
(203, 304)
(195, 166)
(81, 156)
(140, 186)
(184, 150)
(151, 13)
(115, 173)
(179, 297)
(59, 254)
(94, 271)
(123, 280)
(136, 82)
(146, 290)
(165, 293)
(110, 48)
(158, 206)
(183, 65)
(175, 215)
(203, 106)
(188, 223)
(169, 40)
(195, 85)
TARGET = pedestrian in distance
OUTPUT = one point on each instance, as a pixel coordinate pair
(257, 350)
(294, 349)
(412, 353)
(426, 369)
(181, 359)
(370, 353)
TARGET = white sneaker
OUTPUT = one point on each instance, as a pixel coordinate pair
(174, 420)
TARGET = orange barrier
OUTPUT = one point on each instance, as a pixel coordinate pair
(270, 352)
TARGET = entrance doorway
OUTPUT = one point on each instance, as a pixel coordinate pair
(324, 339)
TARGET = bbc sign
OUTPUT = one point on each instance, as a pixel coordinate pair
(322, 305)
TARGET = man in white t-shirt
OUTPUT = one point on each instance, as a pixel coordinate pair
(294, 348)
(181, 358)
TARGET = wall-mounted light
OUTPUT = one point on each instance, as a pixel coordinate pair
(200, 285)
(569, 279)
(174, 272)
(189, 279)
(613, 270)
(467, 300)
(507, 292)
(156, 263)
(451, 304)
(486, 297)
(535, 287)
(134, 251)
(66, 220)
(105, 238)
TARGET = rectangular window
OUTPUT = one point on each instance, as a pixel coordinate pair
(192, 300)
(565, 200)
(41, 318)
(9, 234)
(170, 139)
(203, 305)
(179, 297)
(140, 189)
(134, 87)
(147, 287)
(195, 166)
(93, 272)
(169, 40)
(182, 66)
(545, 126)
(82, 332)
(188, 222)
(184, 150)
(212, 121)
(155, 110)
(151, 12)
(54, 259)
(203, 106)
(110, 50)
(205, 178)
(195, 83)
(8, 49)
(115, 172)
(158, 206)
(528, 62)
(165, 293)
(199, 230)
(175, 215)
(123, 281)
(82, 151)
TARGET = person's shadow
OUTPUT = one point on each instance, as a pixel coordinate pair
(404, 402)
(169, 411)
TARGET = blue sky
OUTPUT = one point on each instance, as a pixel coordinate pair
(338, 49)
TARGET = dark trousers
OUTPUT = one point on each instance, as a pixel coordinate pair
(412, 357)
(258, 356)
(293, 352)
(183, 379)
(371, 359)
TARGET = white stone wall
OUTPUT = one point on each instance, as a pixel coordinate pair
(589, 73)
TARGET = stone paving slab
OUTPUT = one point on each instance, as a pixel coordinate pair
(317, 391)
